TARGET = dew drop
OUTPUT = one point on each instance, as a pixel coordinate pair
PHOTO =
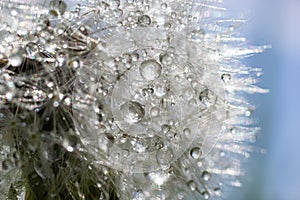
(166, 59)
(206, 175)
(61, 58)
(164, 156)
(114, 4)
(226, 78)
(15, 60)
(57, 7)
(164, 6)
(135, 57)
(192, 185)
(165, 128)
(32, 49)
(14, 12)
(187, 131)
(207, 97)
(150, 69)
(7, 164)
(144, 20)
(55, 104)
(132, 112)
(196, 152)
(70, 143)
(139, 146)
(139, 195)
(248, 113)
(205, 195)
(154, 111)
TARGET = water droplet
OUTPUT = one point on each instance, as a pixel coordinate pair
(70, 143)
(61, 58)
(154, 111)
(7, 164)
(55, 104)
(206, 175)
(205, 195)
(139, 146)
(132, 112)
(165, 128)
(196, 152)
(207, 97)
(164, 6)
(32, 49)
(217, 191)
(159, 177)
(135, 57)
(144, 20)
(14, 12)
(15, 60)
(139, 195)
(187, 131)
(164, 156)
(166, 59)
(248, 113)
(57, 7)
(150, 69)
(226, 78)
(192, 185)
(114, 4)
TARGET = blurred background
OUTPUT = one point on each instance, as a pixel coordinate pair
(275, 175)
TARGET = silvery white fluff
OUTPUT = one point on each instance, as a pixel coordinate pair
(136, 99)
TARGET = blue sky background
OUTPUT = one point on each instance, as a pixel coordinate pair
(276, 175)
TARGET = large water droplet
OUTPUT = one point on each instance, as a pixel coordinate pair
(150, 69)
(132, 112)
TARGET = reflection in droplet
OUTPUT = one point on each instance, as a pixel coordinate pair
(150, 69)
(132, 112)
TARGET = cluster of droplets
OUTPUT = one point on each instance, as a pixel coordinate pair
(122, 99)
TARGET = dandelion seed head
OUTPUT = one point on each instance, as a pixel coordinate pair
(123, 99)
